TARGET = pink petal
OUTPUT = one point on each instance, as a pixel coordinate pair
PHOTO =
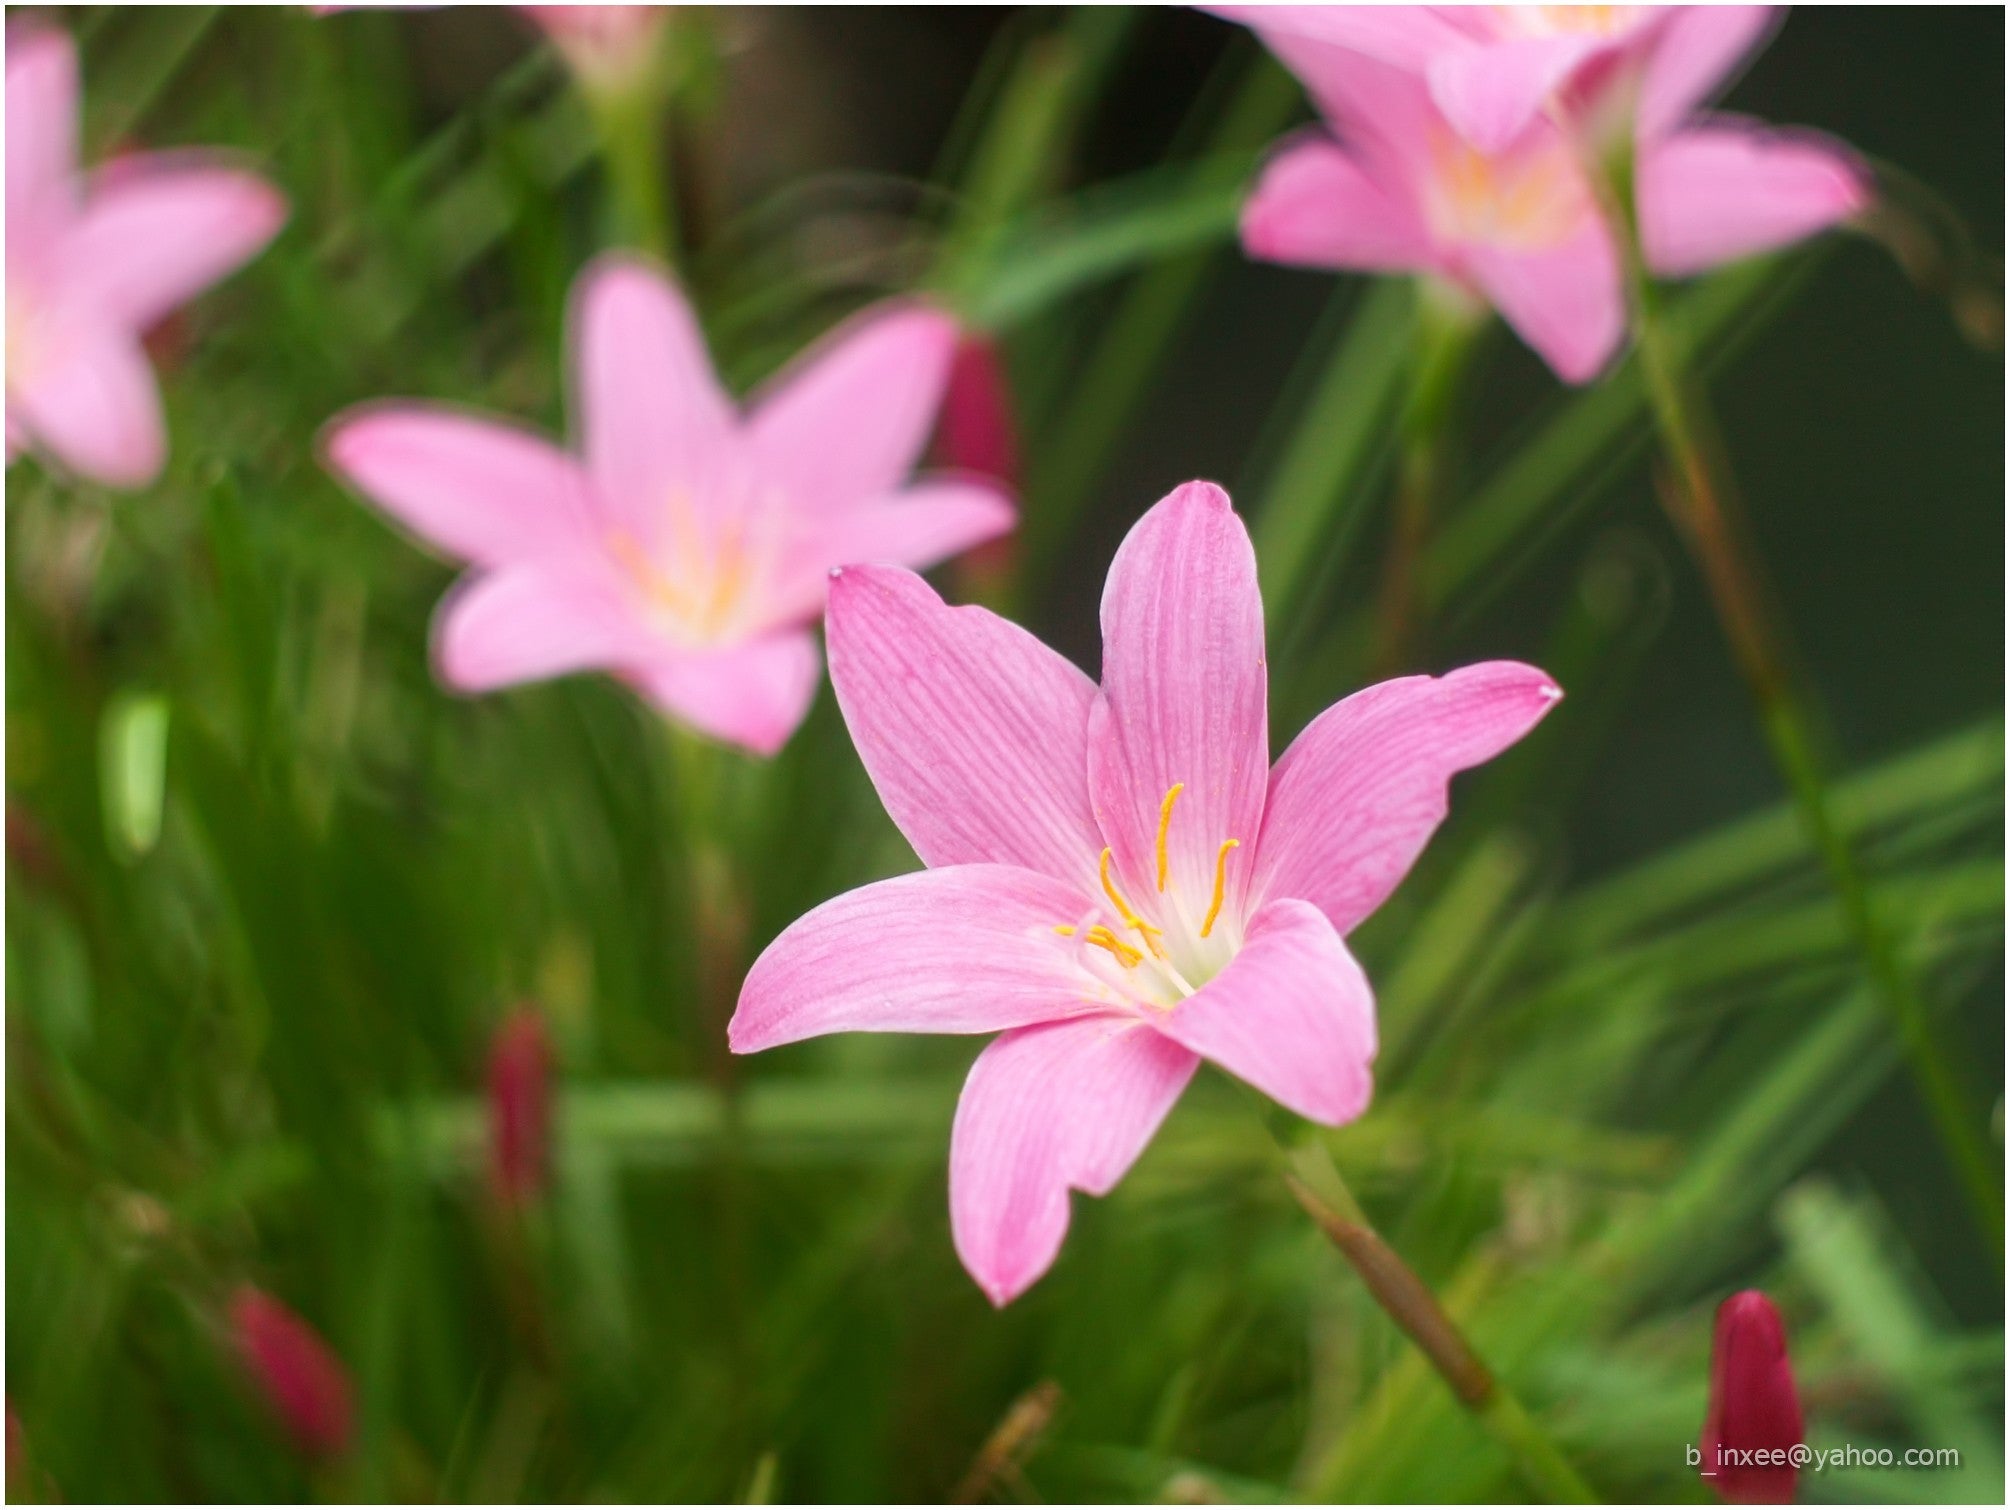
(849, 418)
(159, 230)
(93, 405)
(1408, 36)
(478, 489)
(41, 132)
(1184, 693)
(753, 694)
(653, 420)
(1359, 793)
(1314, 205)
(1047, 1109)
(975, 734)
(1381, 107)
(1565, 301)
(1725, 190)
(1698, 50)
(1291, 1014)
(530, 621)
(962, 949)
(1491, 93)
(916, 527)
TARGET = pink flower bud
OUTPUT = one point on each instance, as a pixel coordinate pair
(1754, 1420)
(299, 1377)
(977, 432)
(520, 1063)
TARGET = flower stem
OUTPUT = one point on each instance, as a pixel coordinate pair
(1446, 324)
(632, 137)
(1698, 495)
(1317, 1185)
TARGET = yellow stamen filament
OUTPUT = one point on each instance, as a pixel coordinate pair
(1131, 919)
(1165, 826)
(1220, 884)
(1100, 937)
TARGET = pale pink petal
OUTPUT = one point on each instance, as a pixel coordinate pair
(159, 230)
(1566, 301)
(1408, 36)
(529, 621)
(961, 949)
(1049, 1109)
(916, 527)
(1362, 789)
(92, 404)
(653, 421)
(974, 733)
(1184, 697)
(849, 418)
(1490, 94)
(1383, 110)
(1314, 205)
(479, 489)
(41, 132)
(1696, 53)
(754, 694)
(1726, 189)
(1291, 1014)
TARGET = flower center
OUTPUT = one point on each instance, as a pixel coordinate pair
(1565, 20)
(1158, 963)
(699, 584)
(1525, 200)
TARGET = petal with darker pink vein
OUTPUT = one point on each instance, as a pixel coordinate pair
(1049, 1109)
(1292, 1014)
(1184, 692)
(960, 949)
(974, 733)
(1363, 788)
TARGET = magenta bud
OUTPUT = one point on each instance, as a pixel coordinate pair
(1752, 1431)
(296, 1373)
(520, 1066)
(977, 431)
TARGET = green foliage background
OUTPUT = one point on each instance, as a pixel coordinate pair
(271, 889)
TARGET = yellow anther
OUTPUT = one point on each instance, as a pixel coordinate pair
(1165, 825)
(1066, 930)
(1131, 919)
(1101, 938)
(1220, 884)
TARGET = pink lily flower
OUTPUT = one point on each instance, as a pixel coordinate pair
(1398, 187)
(1119, 883)
(1493, 69)
(610, 48)
(94, 260)
(685, 547)
(1394, 188)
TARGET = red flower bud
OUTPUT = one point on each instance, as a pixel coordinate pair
(520, 1063)
(297, 1374)
(1754, 1420)
(976, 431)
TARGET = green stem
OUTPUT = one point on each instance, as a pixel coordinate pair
(1446, 325)
(632, 127)
(1698, 495)
(1317, 1185)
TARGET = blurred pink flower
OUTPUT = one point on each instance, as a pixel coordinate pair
(1398, 190)
(1398, 185)
(609, 47)
(94, 261)
(1120, 883)
(519, 1085)
(1754, 1406)
(685, 548)
(978, 432)
(297, 1375)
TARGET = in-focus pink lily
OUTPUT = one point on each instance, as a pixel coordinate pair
(94, 260)
(685, 547)
(1119, 882)
(1399, 186)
